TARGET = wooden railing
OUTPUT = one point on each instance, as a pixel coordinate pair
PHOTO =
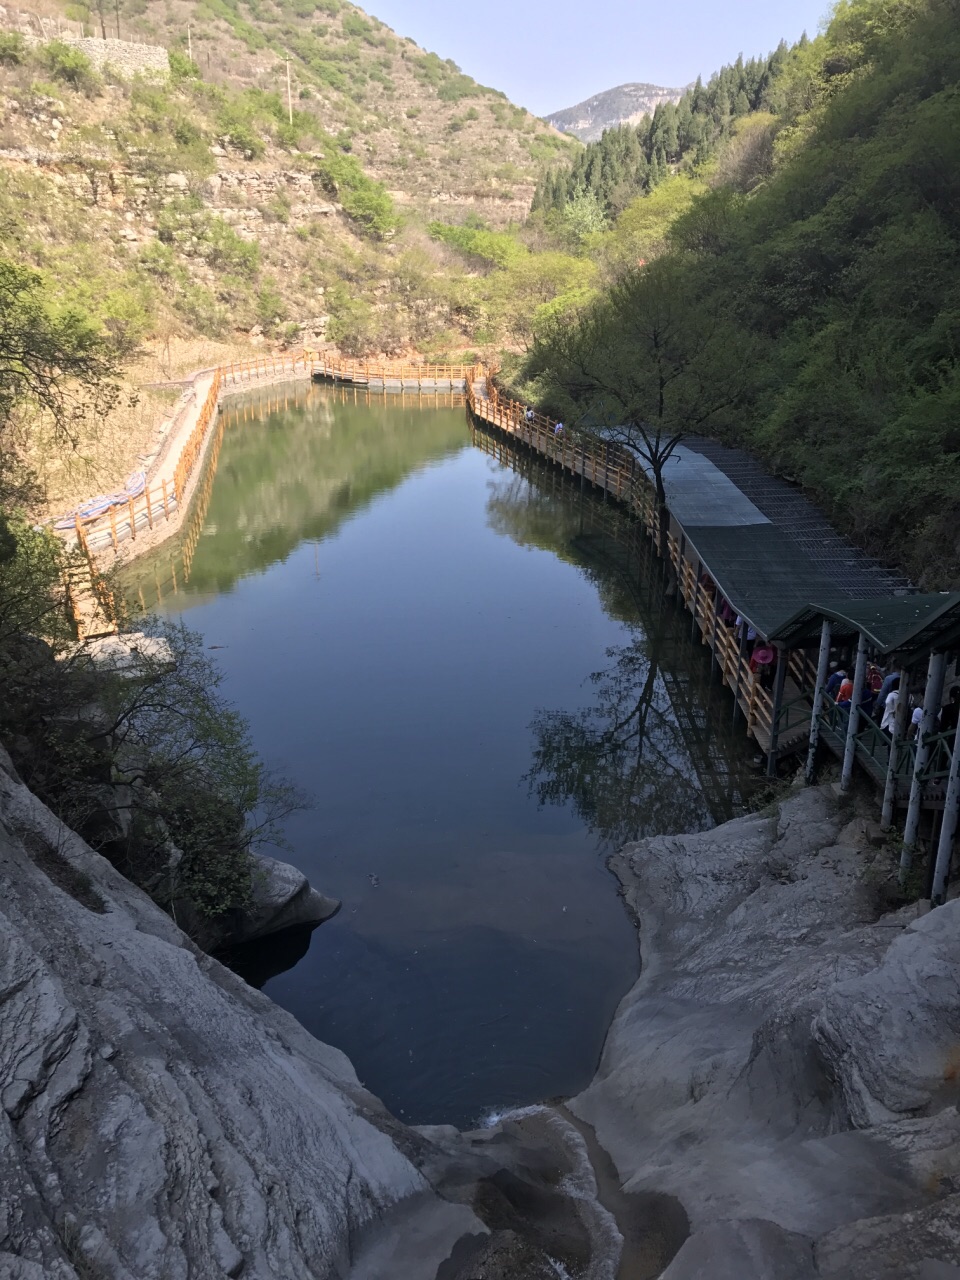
(616, 470)
(363, 372)
(159, 502)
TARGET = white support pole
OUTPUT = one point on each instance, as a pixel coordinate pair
(289, 94)
(823, 662)
(189, 43)
(932, 695)
(779, 681)
(951, 811)
(853, 720)
(899, 733)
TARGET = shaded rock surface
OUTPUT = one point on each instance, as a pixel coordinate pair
(161, 1120)
(787, 1063)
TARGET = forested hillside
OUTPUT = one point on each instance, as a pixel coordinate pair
(631, 160)
(806, 302)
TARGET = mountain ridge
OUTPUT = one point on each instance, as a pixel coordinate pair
(624, 104)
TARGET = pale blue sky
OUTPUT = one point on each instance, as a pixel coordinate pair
(545, 56)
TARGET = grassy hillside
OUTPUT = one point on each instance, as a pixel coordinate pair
(194, 220)
(415, 121)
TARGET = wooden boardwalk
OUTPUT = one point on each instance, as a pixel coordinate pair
(616, 472)
(779, 725)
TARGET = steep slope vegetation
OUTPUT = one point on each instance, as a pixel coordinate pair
(675, 133)
(202, 213)
(416, 121)
(835, 262)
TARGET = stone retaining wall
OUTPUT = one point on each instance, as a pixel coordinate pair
(127, 57)
(122, 56)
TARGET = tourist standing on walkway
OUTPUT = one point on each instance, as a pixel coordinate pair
(891, 681)
(916, 720)
(835, 681)
(890, 711)
(950, 713)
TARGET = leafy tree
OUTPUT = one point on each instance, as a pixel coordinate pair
(583, 216)
(647, 365)
(55, 361)
(13, 50)
(64, 62)
(181, 67)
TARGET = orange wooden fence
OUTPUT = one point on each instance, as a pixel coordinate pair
(159, 502)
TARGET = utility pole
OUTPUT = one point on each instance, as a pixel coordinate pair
(289, 94)
(118, 18)
(189, 44)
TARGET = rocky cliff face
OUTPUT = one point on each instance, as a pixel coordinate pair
(626, 104)
(782, 1080)
(161, 1118)
(787, 1063)
(163, 1121)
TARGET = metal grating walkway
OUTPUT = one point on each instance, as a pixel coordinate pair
(853, 572)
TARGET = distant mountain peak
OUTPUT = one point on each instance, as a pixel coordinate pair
(626, 104)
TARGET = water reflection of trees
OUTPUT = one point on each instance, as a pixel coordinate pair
(623, 762)
(559, 522)
(627, 763)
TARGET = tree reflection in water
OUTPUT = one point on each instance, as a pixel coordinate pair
(623, 763)
(643, 759)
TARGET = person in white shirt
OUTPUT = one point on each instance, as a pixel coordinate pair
(915, 721)
(890, 710)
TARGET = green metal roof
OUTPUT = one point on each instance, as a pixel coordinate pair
(909, 626)
(762, 572)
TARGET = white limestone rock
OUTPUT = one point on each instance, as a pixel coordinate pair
(161, 1120)
(783, 1064)
(282, 898)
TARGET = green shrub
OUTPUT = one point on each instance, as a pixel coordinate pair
(158, 258)
(13, 51)
(186, 132)
(357, 27)
(44, 89)
(271, 307)
(181, 67)
(498, 247)
(457, 87)
(200, 308)
(243, 138)
(278, 210)
(70, 65)
(364, 200)
(226, 249)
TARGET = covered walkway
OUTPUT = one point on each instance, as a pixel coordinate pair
(758, 566)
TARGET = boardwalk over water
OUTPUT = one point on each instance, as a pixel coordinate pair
(737, 539)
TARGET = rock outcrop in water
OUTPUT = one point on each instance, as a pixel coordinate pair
(787, 1064)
